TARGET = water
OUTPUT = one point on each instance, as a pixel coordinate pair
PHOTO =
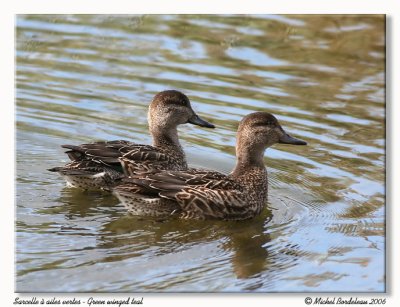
(83, 78)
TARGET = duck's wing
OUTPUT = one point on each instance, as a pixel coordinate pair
(106, 152)
(136, 158)
(200, 193)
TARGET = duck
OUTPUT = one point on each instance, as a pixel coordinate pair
(96, 166)
(207, 194)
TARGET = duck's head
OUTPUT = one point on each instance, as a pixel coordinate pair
(263, 128)
(258, 131)
(172, 108)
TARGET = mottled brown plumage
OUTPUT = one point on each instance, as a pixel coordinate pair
(97, 165)
(204, 194)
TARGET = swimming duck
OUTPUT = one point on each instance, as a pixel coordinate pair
(203, 194)
(97, 166)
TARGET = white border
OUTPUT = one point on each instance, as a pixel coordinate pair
(7, 12)
(206, 7)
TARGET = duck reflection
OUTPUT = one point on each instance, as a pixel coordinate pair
(243, 241)
(75, 203)
(247, 242)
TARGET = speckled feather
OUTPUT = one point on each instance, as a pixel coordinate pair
(199, 194)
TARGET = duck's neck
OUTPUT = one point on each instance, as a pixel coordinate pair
(166, 137)
(251, 173)
(249, 156)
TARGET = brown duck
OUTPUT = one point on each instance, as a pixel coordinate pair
(203, 194)
(97, 166)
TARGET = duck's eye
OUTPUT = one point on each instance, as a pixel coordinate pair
(258, 124)
(179, 102)
(263, 124)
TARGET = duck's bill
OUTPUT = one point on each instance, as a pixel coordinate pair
(196, 120)
(287, 139)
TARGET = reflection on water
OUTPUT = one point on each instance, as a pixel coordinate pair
(82, 78)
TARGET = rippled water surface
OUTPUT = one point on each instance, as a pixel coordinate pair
(83, 78)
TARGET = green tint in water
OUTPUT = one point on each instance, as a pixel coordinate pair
(82, 78)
